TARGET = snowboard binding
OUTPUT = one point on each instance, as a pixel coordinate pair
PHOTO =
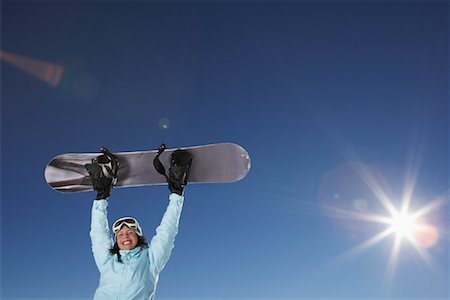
(180, 162)
(103, 172)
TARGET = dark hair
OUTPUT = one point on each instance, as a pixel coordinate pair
(142, 242)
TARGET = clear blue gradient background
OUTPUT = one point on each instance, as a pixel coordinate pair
(298, 84)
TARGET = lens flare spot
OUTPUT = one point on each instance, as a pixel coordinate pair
(426, 235)
(54, 74)
(346, 197)
(45, 71)
(360, 205)
(164, 123)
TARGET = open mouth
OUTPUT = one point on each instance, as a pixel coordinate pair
(126, 243)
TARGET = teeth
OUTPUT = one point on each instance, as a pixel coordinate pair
(127, 242)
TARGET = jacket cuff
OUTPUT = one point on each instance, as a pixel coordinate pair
(176, 198)
(100, 204)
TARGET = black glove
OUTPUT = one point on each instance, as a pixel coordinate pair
(103, 173)
(102, 184)
(179, 170)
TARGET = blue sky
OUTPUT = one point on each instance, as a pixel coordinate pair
(334, 101)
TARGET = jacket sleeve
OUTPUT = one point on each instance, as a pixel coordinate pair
(100, 236)
(162, 243)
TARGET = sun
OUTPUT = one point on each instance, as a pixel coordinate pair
(403, 220)
(406, 225)
(403, 225)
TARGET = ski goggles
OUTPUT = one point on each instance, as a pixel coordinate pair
(128, 221)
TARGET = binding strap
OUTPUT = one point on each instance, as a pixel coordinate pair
(109, 164)
(157, 163)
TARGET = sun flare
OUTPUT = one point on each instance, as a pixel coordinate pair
(405, 222)
(403, 225)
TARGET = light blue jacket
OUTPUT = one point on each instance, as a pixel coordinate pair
(136, 277)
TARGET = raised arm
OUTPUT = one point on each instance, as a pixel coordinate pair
(100, 236)
(161, 245)
(103, 173)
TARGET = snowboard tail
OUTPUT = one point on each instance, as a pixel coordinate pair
(214, 163)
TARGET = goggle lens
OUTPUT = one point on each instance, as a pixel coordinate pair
(129, 222)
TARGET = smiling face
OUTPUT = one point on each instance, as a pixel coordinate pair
(126, 238)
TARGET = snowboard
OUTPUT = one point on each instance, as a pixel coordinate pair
(214, 163)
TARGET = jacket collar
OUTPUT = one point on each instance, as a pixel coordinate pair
(133, 252)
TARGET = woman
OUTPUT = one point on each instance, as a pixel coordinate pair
(129, 266)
